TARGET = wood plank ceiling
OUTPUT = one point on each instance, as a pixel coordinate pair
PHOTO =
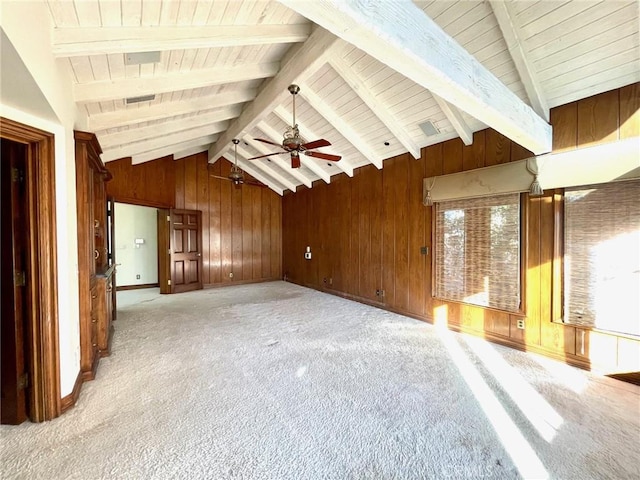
(372, 74)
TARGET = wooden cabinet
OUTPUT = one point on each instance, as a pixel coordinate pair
(95, 267)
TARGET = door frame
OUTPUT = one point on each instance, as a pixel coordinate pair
(42, 342)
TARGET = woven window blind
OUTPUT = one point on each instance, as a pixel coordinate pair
(477, 251)
(602, 256)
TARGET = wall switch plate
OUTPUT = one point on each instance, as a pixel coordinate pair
(520, 324)
(138, 277)
(424, 250)
(307, 255)
(230, 274)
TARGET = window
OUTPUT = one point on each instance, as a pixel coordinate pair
(477, 251)
(602, 256)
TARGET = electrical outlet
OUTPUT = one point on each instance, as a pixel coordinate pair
(138, 277)
(330, 281)
(520, 324)
(230, 274)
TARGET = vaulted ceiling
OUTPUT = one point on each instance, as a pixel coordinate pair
(378, 78)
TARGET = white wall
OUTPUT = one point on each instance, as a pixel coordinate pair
(136, 222)
(27, 25)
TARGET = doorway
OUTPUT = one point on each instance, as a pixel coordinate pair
(136, 246)
(30, 318)
(15, 386)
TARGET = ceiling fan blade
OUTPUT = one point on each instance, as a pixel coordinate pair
(324, 156)
(255, 184)
(267, 155)
(221, 178)
(268, 141)
(316, 144)
(295, 160)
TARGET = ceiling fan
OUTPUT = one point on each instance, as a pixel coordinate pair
(293, 144)
(236, 175)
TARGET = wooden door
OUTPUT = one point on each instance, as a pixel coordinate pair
(14, 409)
(180, 250)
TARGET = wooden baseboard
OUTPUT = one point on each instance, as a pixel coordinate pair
(230, 283)
(137, 287)
(70, 400)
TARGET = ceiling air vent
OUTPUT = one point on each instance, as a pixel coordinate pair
(144, 98)
(140, 58)
(429, 129)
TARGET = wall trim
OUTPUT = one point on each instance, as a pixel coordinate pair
(242, 282)
(70, 400)
(42, 316)
(137, 287)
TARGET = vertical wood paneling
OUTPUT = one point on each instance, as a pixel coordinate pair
(265, 230)
(433, 155)
(276, 236)
(389, 180)
(598, 119)
(533, 266)
(630, 111)
(452, 156)
(367, 231)
(256, 231)
(473, 155)
(498, 148)
(215, 228)
(401, 241)
(247, 237)
(226, 224)
(565, 127)
(179, 172)
(191, 183)
(417, 261)
(203, 204)
(139, 184)
(241, 226)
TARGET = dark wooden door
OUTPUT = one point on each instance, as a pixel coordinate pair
(14, 408)
(180, 248)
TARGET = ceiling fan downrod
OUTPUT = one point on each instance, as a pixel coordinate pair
(293, 90)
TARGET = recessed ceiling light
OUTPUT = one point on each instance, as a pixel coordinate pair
(141, 58)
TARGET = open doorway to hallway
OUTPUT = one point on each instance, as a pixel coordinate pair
(136, 246)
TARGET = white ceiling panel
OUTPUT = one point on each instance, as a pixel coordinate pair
(573, 49)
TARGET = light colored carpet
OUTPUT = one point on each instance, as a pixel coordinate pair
(276, 381)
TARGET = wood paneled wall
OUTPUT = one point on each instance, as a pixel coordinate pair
(367, 235)
(242, 227)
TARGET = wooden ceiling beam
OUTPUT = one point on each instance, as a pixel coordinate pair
(84, 41)
(213, 121)
(518, 52)
(104, 90)
(336, 120)
(298, 63)
(133, 115)
(149, 144)
(400, 35)
(165, 150)
(455, 119)
(375, 105)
